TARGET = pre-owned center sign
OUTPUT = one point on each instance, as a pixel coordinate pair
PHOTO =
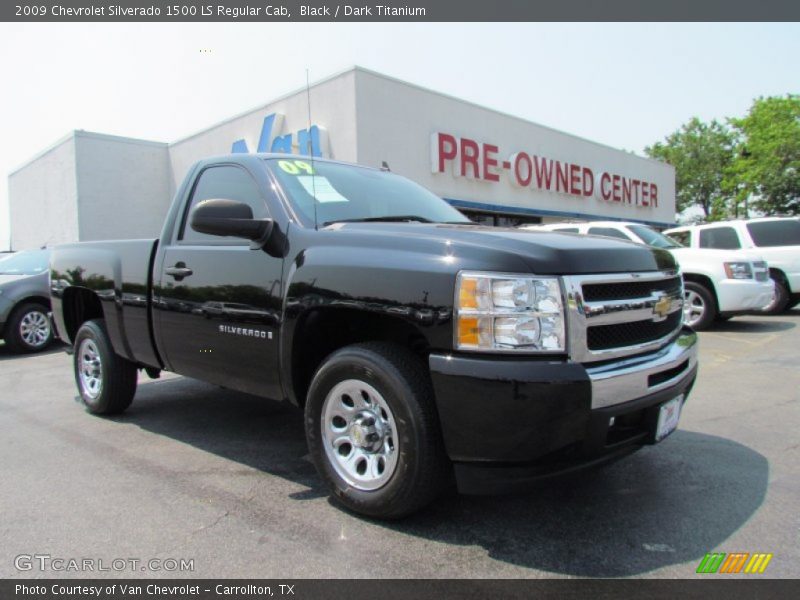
(465, 157)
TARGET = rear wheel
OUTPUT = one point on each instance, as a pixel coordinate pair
(29, 329)
(106, 381)
(699, 308)
(373, 431)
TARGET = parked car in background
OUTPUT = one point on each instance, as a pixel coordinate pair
(777, 239)
(25, 301)
(717, 284)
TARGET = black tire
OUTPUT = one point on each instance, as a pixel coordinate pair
(116, 377)
(421, 470)
(28, 329)
(780, 301)
(703, 310)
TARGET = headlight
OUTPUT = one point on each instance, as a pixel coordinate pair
(507, 313)
(738, 270)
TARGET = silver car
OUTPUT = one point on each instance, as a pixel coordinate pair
(25, 301)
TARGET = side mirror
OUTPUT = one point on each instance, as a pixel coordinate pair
(230, 218)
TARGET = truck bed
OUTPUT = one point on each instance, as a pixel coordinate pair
(119, 273)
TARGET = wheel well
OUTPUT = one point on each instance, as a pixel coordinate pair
(79, 305)
(43, 300)
(324, 331)
(780, 275)
(706, 283)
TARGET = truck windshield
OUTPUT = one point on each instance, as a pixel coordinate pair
(25, 263)
(351, 193)
(651, 237)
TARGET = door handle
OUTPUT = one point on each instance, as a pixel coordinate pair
(179, 271)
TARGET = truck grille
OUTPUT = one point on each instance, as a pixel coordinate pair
(593, 292)
(618, 315)
(604, 337)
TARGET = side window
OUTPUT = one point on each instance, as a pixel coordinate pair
(684, 238)
(566, 229)
(775, 233)
(229, 182)
(608, 232)
(722, 238)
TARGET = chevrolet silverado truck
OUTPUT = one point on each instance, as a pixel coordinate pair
(718, 284)
(425, 350)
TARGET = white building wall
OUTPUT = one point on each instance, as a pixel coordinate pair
(333, 108)
(43, 199)
(396, 121)
(123, 187)
(94, 186)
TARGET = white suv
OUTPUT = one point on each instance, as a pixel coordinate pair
(717, 284)
(777, 239)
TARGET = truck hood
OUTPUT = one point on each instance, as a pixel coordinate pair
(6, 279)
(542, 252)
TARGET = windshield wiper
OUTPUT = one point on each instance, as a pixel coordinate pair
(386, 219)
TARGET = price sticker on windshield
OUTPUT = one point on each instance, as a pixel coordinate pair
(296, 167)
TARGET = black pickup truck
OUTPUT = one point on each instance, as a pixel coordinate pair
(424, 349)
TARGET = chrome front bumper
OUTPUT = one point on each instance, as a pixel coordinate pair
(636, 377)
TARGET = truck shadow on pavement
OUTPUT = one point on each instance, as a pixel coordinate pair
(665, 505)
(262, 434)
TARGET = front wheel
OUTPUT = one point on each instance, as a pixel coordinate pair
(780, 297)
(373, 431)
(106, 381)
(29, 329)
(699, 308)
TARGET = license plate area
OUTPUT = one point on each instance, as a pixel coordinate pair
(669, 414)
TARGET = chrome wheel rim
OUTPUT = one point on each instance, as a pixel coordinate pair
(34, 329)
(90, 368)
(359, 435)
(694, 307)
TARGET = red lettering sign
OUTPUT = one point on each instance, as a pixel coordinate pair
(479, 160)
(446, 149)
(490, 162)
(469, 158)
(523, 169)
(544, 172)
(588, 182)
(574, 180)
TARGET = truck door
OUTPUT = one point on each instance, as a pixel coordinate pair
(217, 303)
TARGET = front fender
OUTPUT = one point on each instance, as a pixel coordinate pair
(405, 285)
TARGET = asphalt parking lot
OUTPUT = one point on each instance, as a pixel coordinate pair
(195, 472)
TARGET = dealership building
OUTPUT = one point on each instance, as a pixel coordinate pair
(496, 168)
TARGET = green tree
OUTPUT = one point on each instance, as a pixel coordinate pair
(767, 163)
(702, 154)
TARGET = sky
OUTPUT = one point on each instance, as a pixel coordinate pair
(624, 85)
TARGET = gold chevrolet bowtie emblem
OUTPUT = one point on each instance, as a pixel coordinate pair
(661, 308)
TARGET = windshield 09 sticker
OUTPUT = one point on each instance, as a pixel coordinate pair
(321, 188)
(296, 167)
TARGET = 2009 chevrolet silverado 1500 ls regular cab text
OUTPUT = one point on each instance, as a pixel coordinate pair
(420, 345)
